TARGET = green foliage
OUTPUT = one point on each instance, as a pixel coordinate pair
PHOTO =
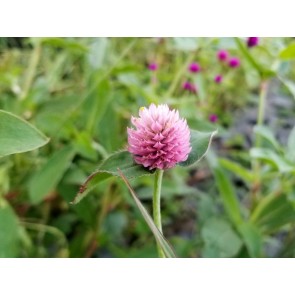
(220, 239)
(288, 52)
(123, 160)
(18, 136)
(81, 92)
(9, 231)
(166, 248)
(47, 178)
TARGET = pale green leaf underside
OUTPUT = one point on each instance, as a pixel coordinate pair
(18, 136)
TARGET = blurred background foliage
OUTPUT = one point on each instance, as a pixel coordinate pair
(81, 93)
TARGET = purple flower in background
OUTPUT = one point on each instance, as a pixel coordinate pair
(186, 85)
(218, 79)
(213, 118)
(222, 55)
(189, 86)
(194, 67)
(234, 62)
(161, 139)
(153, 66)
(252, 41)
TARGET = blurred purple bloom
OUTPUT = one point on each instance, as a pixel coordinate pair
(218, 79)
(189, 86)
(222, 55)
(234, 62)
(252, 41)
(213, 118)
(186, 85)
(194, 67)
(153, 66)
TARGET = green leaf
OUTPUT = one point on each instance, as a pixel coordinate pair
(237, 169)
(272, 158)
(18, 136)
(67, 43)
(290, 154)
(289, 84)
(273, 212)
(220, 239)
(169, 253)
(200, 142)
(108, 168)
(267, 134)
(264, 73)
(97, 54)
(9, 231)
(46, 179)
(252, 238)
(228, 195)
(288, 52)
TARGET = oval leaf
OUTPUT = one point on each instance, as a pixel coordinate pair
(18, 136)
(200, 142)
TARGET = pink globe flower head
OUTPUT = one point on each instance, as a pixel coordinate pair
(222, 55)
(252, 41)
(194, 67)
(213, 118)
(161, 138)
(234, 62)
(218, 79)
(153, 66)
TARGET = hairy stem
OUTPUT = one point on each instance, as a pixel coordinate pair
(157, 205)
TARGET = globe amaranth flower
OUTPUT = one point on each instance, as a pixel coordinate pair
(252, 41)
(153, 66)
(234, 62)
(161, 138)
(190, 87)
(222, 55)
(213, 118)
(218, 79)
(194, 67)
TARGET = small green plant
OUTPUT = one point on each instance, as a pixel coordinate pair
(161, 141)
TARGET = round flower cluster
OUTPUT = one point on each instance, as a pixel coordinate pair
(161, 138)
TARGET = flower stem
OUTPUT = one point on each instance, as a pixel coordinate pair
(261, 109)
(157, 205)
(258, 141)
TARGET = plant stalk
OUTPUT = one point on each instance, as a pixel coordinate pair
(157, 205)
(258, 140)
